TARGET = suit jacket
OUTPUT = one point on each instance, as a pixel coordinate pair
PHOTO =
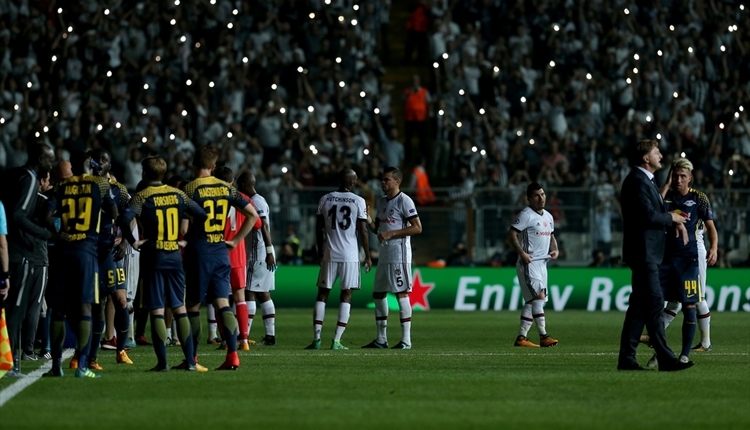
(19, 195)
(645, 220)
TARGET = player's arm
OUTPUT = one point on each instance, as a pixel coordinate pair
(515, 242)
(320, 234)
(126, 224)
(251, 216)
(414, 228)
(18, 212)
(109, 205)
(554, 251)
(4, 267)
(372, 224)
(365, 238)
(265, 230)
(713, 238)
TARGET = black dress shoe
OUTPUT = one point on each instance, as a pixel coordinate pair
(675, 366)
(630, 366)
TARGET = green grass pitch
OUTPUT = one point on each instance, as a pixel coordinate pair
(463, 373)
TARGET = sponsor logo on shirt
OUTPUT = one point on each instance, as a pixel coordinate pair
(542, 233)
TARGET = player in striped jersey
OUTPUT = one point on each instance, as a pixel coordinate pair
(75, 274)
(160, 209)
(683, 274)
(532, 236)
(341, 217)
(206, 259)
(261, 263)
(396, 220)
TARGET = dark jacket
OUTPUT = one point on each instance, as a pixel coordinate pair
(645, 220)
(18, 193)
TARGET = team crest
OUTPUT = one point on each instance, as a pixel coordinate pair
(690, 203)
(390, 212)
(398, 272)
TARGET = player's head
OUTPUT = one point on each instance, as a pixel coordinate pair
(390, 180)
(347, 179)
(246, 182)
(645, 153)
(536, 197)
(682, 175)
(142, 185)
(224, 173)
(154, 169)
(205, 157)
(101, 161)
(62, 171)
(41, 156)
(175, 181)
(80, 163)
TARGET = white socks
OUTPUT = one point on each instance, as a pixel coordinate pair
(269, 317)
(381, 319)
(537, 311)
(404, 308)
(319, 313)
(344, 310)
(526, 320)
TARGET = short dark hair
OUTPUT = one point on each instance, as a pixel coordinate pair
(639, 149)
(395, 172)
(175, 181)
(224, 173)
(533, 187)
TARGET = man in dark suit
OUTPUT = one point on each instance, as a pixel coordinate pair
(645, 222)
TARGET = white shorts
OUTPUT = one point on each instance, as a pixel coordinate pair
(132, 264)
(702, 268)
(347, 274)
(532, 278)
(259, 278)
(392, 278)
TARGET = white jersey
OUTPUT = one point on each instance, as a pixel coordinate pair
(394, 214)
(536, 232)
(699, 236)
(256, 247)
(340, 212)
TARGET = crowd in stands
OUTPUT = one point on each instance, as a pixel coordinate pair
(293, 90)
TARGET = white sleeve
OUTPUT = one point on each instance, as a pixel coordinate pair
(361, 210)
(521, 222)
(408, 208)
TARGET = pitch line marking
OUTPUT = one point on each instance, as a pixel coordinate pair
(21, 383)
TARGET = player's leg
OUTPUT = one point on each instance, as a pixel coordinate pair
(97, 328)
(265, 284)
(237, 283)
(131, 264)
(704, 313)
(670, 312)
(37, 283)
(213, 325)
(196, 284)
(402, 287)
(326, 278)
(691, 295)
(87, 283)
(218, 290)
(381, 287)
(528, 292)
(349, 281)
(57, 300)
(252, 308)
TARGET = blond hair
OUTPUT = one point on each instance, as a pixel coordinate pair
(683, 163)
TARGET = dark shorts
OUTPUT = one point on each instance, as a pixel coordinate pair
(74, 278)
(111, 273)
(163, 288)
(679, 278)
(207, 276)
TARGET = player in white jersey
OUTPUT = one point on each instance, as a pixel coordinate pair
(131, 264)
(261, 263)
(396, 220)
(532, 236)
(341, 217)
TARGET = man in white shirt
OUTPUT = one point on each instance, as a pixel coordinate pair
(532, 237)
(341, 217)
(396, 220)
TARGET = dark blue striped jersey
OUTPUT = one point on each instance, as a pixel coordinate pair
(160, 210)
(80, 200)
(215, 197)
(696, 209)
(108, 230)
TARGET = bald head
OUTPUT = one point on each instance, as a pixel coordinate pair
(246, 183)
(63, 171)
(347, 179)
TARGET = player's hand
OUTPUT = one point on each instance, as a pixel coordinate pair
(383, 236)
(368, 264)
(554, 254)
(61, 236)
(682, 231)
(138, 243)
(677, 218)
(526, 258)
(271, 262)
(182, 243)
(231, 244)
(120, 249)
(711, 257)
(4, 291)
